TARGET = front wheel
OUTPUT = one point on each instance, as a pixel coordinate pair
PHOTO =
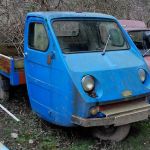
(4, 88)
(111, 133)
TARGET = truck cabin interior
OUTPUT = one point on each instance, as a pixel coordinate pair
(83, 36)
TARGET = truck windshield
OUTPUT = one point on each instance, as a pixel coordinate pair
(141, 40)
(88, 36)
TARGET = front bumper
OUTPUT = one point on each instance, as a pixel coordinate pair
(120, 115)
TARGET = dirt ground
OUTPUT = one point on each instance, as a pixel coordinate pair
(31, 133)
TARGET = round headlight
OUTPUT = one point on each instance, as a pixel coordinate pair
(88, 83)
(142, 75)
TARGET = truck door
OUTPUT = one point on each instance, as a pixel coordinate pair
(37, 66)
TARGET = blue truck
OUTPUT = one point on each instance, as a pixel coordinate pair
(81, 69)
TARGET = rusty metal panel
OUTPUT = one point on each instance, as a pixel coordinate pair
(5, 64)
(123, 116)
(22, 79)
(130, 117)
(91, 122)
(117, 120)
(132, 24)
(125, 107)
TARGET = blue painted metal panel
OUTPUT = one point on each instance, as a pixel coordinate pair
(114, 72)
(55, 89)
(54, 14)
(49, 86)
(13, 75)
(5, 74)
(2, 147)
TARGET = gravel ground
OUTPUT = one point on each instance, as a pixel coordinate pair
(32, 133)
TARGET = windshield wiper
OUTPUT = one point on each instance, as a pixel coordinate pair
(104, 50)
(146, 52)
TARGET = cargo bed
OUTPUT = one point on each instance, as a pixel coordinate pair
(12, 65)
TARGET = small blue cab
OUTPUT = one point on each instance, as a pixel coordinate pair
(83, 69)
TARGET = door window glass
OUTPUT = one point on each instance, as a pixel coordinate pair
(38, 38)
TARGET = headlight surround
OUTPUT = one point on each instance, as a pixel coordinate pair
(142, 75)
(88, 83)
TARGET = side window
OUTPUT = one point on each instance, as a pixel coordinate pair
(37, 38)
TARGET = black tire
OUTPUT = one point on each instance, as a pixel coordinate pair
(4, 88)
(111, 133)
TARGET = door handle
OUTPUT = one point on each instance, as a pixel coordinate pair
(50, 57)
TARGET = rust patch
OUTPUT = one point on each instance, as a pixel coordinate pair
(118, 104)
(127, 93)
(117, 119)
(49, 59)
(22, 79)
(4, 64)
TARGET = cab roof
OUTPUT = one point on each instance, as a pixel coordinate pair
(60, 14)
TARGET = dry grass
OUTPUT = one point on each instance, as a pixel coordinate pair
(46, 136)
